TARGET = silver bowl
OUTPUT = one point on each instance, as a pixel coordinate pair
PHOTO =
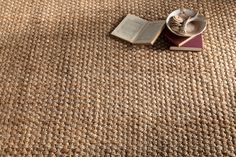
(193, 28)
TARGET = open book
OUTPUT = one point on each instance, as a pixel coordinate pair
(138, 31)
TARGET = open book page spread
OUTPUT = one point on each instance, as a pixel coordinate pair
(129, 28)
(138, 31)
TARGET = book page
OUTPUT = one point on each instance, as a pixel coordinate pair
(150, 32)
(129, 28)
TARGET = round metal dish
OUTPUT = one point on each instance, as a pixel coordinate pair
(193, 28)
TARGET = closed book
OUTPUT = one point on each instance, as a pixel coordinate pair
(195, 44)
(175, 39)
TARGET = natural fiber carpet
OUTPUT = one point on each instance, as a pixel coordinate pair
(68, 88)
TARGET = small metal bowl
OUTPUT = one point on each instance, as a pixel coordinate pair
(193, 28)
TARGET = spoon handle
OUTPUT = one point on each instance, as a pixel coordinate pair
(194, 17)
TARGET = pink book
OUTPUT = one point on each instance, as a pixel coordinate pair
(195, 44)
(175, 39)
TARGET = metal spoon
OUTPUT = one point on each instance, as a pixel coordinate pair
(185, 23)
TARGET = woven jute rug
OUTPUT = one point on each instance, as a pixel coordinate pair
(68, 88)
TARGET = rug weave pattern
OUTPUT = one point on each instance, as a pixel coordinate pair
(68, 88)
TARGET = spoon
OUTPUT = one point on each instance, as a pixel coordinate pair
(185, 23)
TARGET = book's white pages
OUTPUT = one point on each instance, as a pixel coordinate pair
(138, 31)
(129, 28)
(185, 48)
(150, 32)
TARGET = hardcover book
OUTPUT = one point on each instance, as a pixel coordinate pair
(195, 44)
(175, 39)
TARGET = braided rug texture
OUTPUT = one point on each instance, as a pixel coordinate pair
(68, 88)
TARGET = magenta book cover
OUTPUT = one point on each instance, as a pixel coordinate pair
(195, 42)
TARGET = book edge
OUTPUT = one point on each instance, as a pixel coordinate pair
(185, 48)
